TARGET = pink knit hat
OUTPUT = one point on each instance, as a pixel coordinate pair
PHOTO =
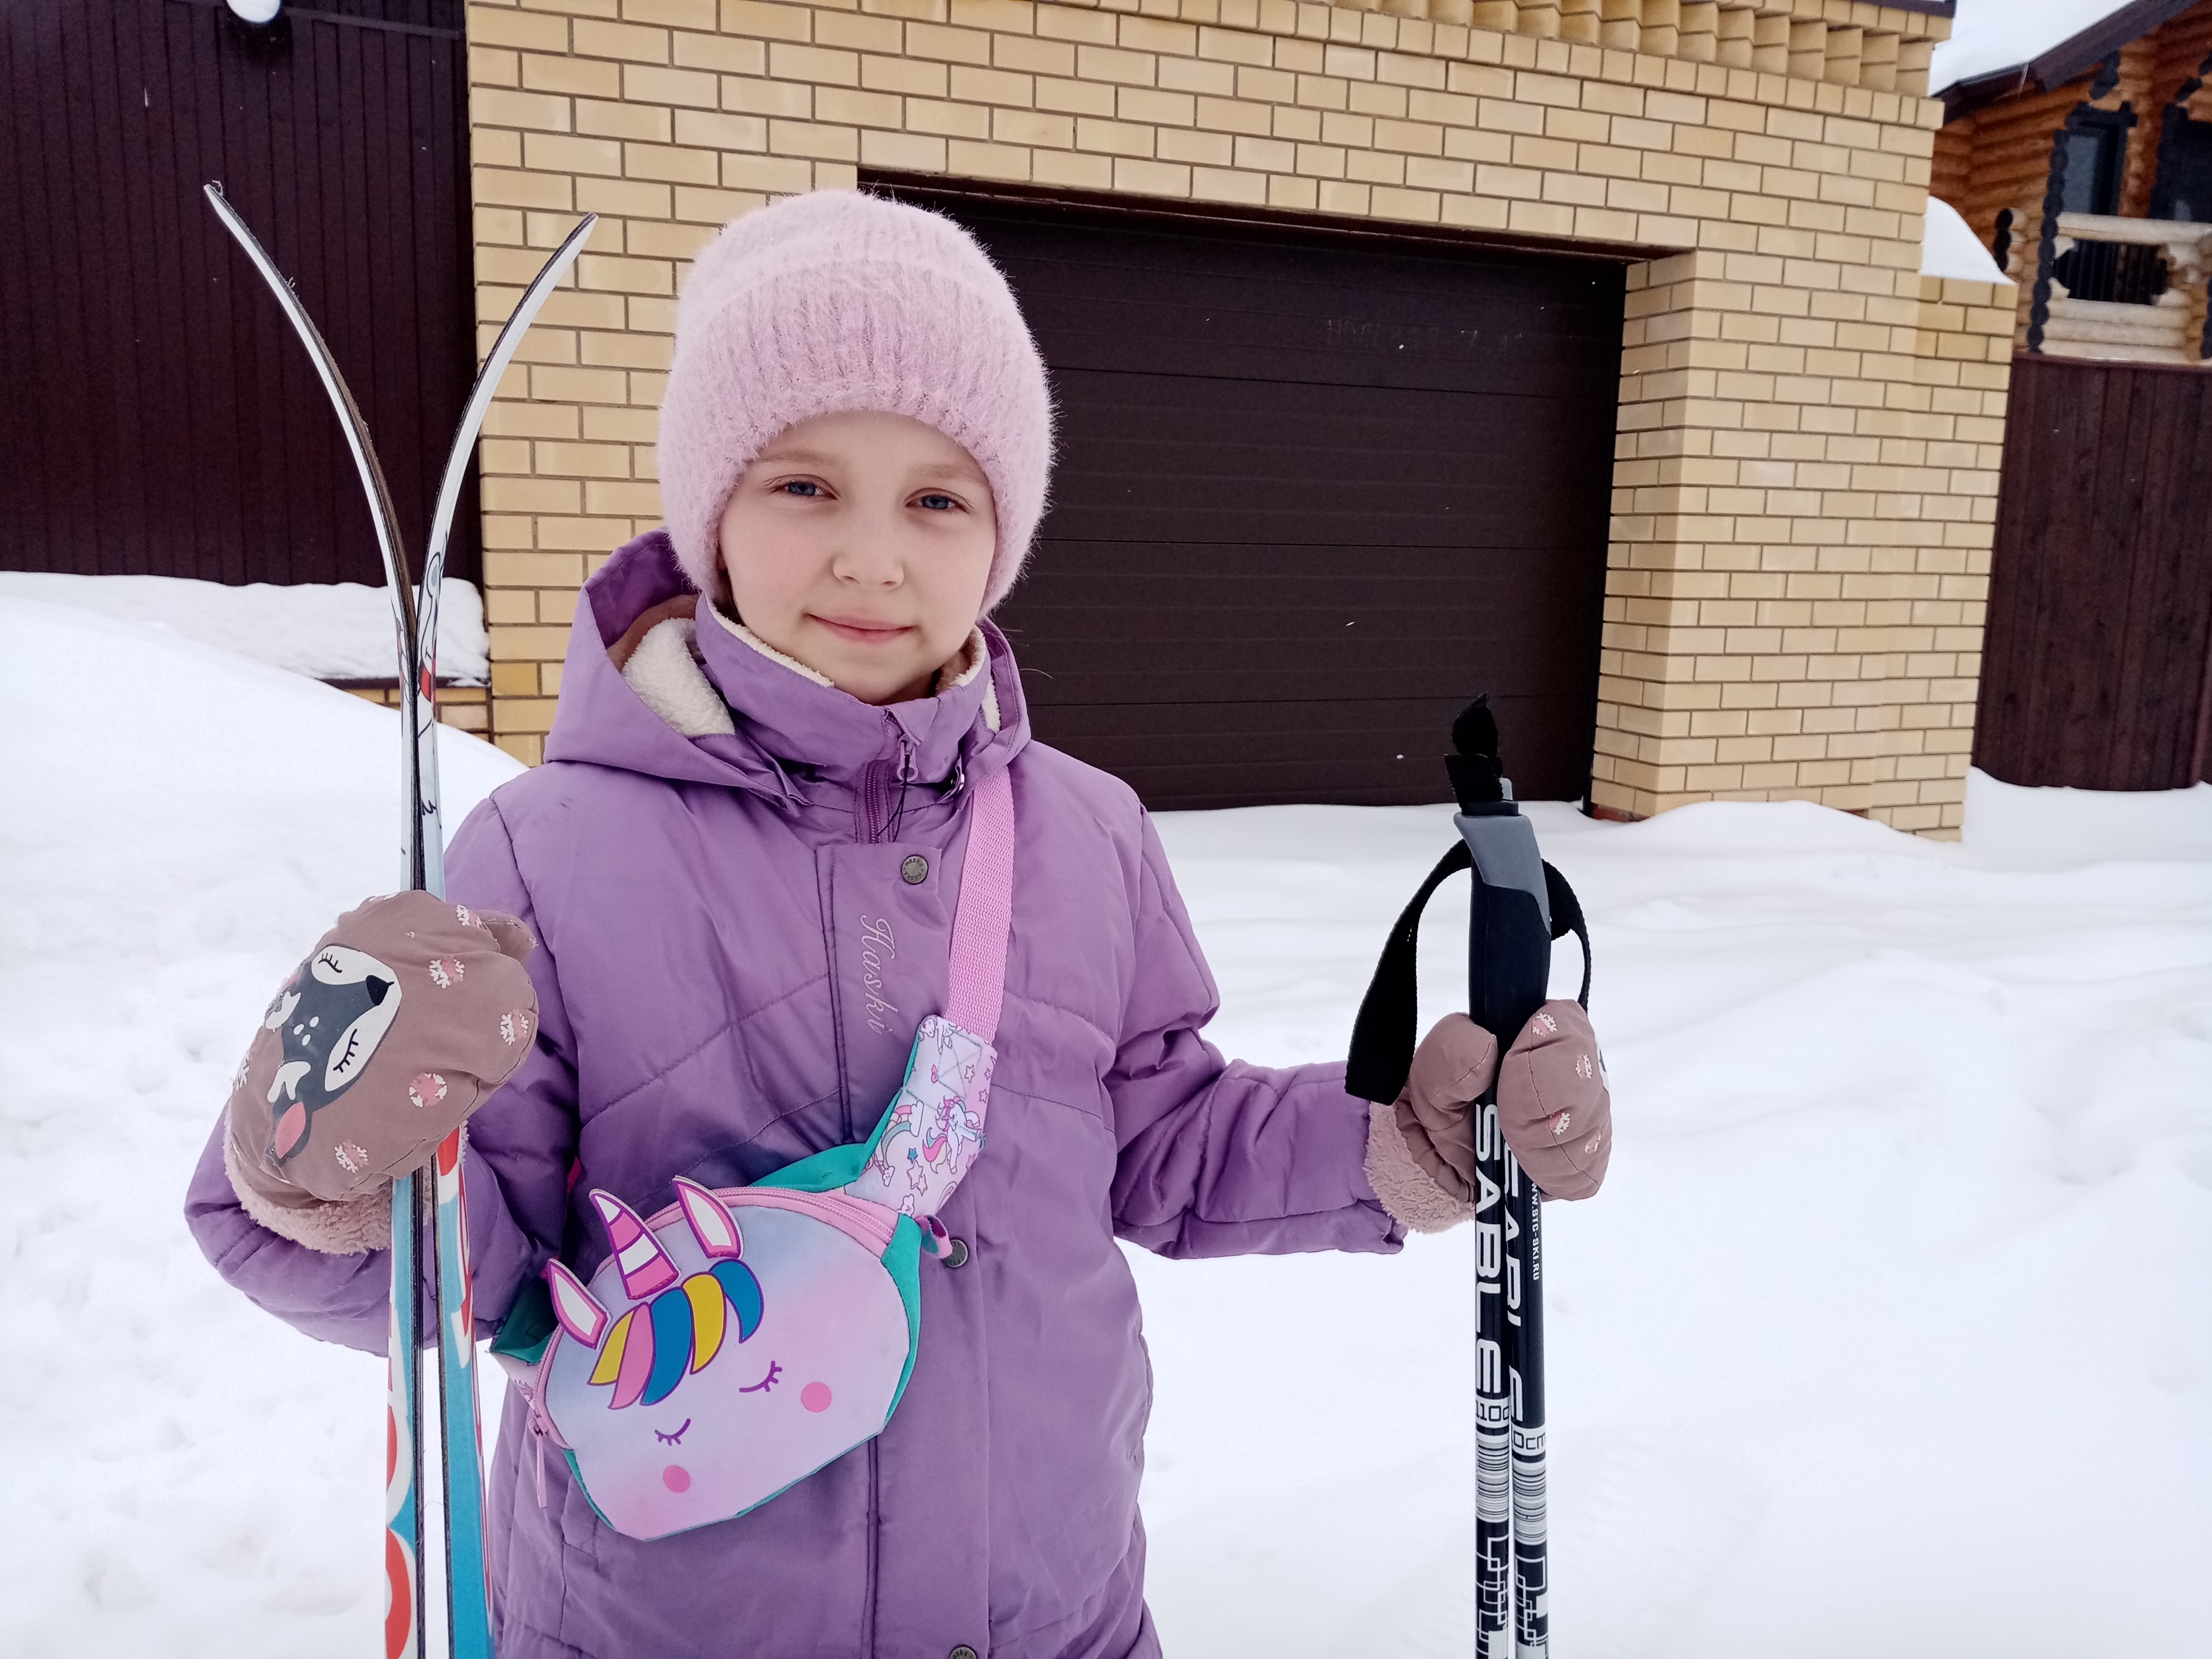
(837, 300)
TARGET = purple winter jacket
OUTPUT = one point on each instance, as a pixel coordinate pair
(702, 906)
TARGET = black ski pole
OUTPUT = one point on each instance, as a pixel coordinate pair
(1509, 965)
(1520, 905)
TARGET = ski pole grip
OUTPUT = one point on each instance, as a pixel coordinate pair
(1510, 931)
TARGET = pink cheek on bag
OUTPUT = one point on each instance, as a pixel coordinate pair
(290, 1128)
(814, 1396)
(676, 1478)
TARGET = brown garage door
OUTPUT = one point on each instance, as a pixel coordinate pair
(1314, 489)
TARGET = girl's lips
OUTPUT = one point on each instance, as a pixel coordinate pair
(862, 633)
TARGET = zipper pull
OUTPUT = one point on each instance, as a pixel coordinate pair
(906, 757)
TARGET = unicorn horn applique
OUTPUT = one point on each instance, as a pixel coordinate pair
(679, 1324)
(645, 1267)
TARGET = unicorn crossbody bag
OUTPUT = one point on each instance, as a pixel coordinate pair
(742, 1337)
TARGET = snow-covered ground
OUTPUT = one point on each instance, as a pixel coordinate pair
(1888, 1335)
(326, 630)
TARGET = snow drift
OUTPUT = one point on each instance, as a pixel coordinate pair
(326, 630)
(1889, 1334)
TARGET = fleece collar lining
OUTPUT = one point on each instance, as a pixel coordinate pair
(665, 674)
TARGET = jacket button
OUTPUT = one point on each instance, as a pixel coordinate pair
(964, 1651)
(957, 1257)
(916, 870)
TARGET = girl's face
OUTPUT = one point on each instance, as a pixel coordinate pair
(860, 543)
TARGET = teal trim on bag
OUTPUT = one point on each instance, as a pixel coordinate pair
(824, 1172)
(903, 1262)
(529, 1325)
(840, 1166)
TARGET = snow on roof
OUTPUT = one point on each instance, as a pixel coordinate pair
(1987, 36)
(1948, 247)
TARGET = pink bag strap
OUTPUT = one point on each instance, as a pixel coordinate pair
(984, 913)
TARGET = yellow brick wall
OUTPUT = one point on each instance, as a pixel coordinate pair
(464, 707)
(1805, 495)
(1809, 436)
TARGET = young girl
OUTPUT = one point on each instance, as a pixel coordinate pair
(741, 863)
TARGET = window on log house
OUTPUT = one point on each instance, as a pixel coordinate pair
(2184, 179)
(2096, 162)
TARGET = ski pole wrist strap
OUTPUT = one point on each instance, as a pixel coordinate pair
(1384, 1034)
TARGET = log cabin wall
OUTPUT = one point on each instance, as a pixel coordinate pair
(1997, 159)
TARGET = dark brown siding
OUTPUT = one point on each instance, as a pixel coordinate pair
(2098, 661)
(156, 414)
(1315, 490)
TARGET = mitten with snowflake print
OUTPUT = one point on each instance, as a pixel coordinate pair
(1553, 1108)
(401, 1021)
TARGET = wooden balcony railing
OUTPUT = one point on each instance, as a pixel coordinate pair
(2124, 290)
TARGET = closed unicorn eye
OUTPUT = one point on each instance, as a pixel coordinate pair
(672, 1439)
(774, 1372)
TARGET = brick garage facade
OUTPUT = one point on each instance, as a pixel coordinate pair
(1810, 432)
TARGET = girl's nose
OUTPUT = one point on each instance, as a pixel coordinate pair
(867, 557)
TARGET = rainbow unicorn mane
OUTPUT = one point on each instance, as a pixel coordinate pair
(678, 1324)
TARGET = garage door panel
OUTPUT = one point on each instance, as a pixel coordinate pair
(1084, 637)
(1518, 369)
(1283, 410)
(1265, 676)
(1257, 653)
(1267, 321)
(1345, 515)
(1254, 468)
(1334, 725)
(1518, 603)
(1110, 338)
(1392, 755)
(1091, 572)
(1314, 491)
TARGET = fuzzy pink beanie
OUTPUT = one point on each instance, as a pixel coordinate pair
(837, 300)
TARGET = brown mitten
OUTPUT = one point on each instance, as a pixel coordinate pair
(1420, 1150)
(1552, 1102)
(1552, 1106)
(399, 1023)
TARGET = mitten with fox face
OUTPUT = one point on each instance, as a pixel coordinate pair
(401, 1021)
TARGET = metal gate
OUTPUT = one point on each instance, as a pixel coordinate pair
(155, 416)
(2097, 661)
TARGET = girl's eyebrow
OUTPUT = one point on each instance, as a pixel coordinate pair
(967, 471)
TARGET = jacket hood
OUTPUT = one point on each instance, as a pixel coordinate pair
(795, 738)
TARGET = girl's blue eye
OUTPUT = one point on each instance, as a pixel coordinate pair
(937, 503)
(805, 488)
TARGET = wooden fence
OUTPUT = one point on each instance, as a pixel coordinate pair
(2097, 665)
(156, 416)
